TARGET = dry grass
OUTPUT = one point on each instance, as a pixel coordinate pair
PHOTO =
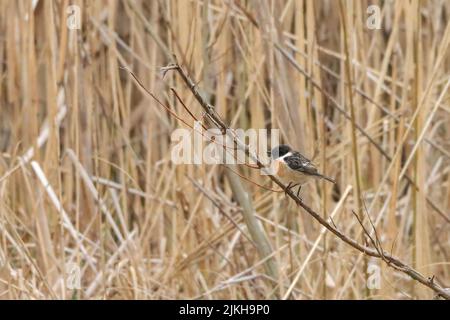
(86, 178)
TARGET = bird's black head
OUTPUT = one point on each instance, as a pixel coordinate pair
(280, 151)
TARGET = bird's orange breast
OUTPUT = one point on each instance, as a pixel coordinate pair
(288, 175)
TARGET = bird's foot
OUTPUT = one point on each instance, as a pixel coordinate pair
(290, 186)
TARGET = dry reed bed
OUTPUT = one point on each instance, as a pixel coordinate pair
(85, 173)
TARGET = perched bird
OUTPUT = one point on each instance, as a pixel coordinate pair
(293, 168)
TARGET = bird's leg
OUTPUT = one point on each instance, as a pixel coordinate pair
(290, 186)
(298, 191)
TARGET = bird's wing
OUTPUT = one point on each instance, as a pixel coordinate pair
(300, 163)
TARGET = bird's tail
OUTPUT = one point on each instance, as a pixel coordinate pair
(326, 178)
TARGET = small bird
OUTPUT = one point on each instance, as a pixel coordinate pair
(293, 168)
